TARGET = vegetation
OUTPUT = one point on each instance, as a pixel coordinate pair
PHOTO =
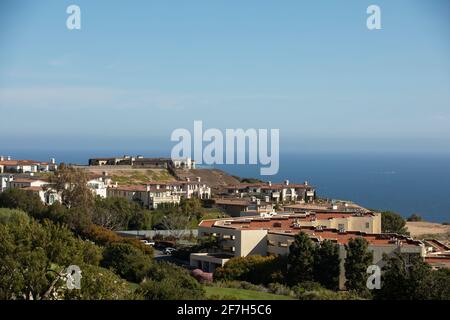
(169, 282)
(327, 265)
(392, 222)
(255, 269)
(415, 218)
(221, 293)
(358, 259)
(301, 259)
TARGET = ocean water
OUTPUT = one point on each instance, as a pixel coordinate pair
(405, 183)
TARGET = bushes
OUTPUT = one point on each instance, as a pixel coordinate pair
(127, 261)
(169, 282)
(313, 291)
(392, 222)
(254, 269)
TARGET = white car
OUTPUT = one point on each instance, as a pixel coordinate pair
(169, 251)
(148, 242)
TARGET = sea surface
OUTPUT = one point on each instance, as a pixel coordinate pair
(405, 183)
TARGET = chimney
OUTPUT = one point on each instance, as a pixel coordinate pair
(286, 182)
(52, 161)
(199, 179)
(258, 202)
(270, 183)
(188, 179)
(8, 158)
(2, 158)
(105, 173)
(158, 186)
(147, 188)
(306, 183)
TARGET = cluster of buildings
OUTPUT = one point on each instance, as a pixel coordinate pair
(9, 165)
(153, 194)
(142, 162)
(262, 234)
(274, 192)
(244, 236)
(25, 175)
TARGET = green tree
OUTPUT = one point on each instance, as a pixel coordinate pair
(72, 182)
(127, 261)
(34, 257)
(169, 282)
(358, 259)
(327, 265)
(414, 218)
(22, 200)
(392, 222)
(255, 269)
(100, 284)
(301, 259)
(410, 278)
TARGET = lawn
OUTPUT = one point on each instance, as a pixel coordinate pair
(242, 294)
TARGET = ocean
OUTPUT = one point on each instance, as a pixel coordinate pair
(404, 183)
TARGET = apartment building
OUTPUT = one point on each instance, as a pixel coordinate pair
(276, 192)
(240, 237)
(149, 196)
(26, 166)
(185, 189)
(244, 207)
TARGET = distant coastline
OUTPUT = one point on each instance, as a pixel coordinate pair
(406, 183)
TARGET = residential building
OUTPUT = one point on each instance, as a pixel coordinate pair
(244, 207)
(5, 178)
(276, 192)
(26, 166)
(240, 237)
(148, 196)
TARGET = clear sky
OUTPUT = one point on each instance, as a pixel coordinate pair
(137, 70)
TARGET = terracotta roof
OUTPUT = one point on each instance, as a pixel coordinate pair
(19, 162)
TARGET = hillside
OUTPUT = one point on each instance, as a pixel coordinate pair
(214, 177)
(419, 229)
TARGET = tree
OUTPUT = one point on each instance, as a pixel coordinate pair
(72, 184)
(34, 257)
(412, 279)
(23, 200)
(358, 259)
(415, 218)
(255, 269)
(169, 282)
(392, 222)
(100, 284)
(327, 265)
(301, 259)
(176, 223)
(127, 261)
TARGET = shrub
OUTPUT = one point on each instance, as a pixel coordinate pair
(169, 282)
(127, 261)
(255, 269)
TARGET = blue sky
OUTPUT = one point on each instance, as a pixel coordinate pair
(137, 70)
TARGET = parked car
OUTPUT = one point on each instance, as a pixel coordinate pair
(169, 251)
(148, 242)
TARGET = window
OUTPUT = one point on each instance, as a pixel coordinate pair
(367, 225)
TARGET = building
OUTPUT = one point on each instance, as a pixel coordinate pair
(26, 166)
(137, 162)
(5, 178)
(148, 196)
(244, 207)
(99, 184)
(276, 192)
(185, 163)
(186, 189)
(240, 237)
